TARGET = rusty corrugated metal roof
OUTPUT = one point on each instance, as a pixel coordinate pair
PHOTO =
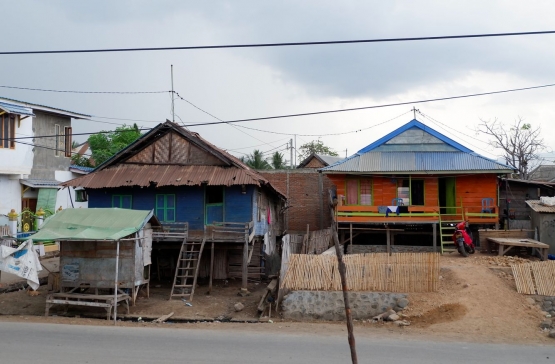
(167, 175)
(537, 206)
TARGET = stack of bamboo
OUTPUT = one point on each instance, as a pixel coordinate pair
(401, 272)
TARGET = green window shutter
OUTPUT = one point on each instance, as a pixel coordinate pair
(47, 199)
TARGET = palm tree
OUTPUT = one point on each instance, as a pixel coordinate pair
(278, 161)
(256, 160)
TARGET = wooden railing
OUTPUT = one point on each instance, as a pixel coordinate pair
(362, 213)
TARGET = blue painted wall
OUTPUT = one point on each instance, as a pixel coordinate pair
(238, 207)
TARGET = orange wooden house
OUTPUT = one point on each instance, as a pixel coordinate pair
(414, 181)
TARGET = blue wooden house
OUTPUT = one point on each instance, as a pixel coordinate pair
(186, 179)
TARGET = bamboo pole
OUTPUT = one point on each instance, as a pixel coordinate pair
(341, 266)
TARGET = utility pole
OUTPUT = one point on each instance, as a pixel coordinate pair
(173, 110)
(295, 150)
(291, 153)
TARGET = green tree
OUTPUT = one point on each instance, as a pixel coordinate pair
(256, 160)
(278, 161)
(316, 146)
(81, 160)
(104, 145)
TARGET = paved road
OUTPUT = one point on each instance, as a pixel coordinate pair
(61, 344)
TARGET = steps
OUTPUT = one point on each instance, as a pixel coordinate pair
(446, 230)
(187, 268)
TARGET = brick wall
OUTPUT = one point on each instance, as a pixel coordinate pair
(307, 204)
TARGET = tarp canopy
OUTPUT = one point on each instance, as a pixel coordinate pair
(94, 224)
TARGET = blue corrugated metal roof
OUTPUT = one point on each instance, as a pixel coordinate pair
(408, 152)
(16, 109)
(73, 114)
(81, 168)
(398, 162)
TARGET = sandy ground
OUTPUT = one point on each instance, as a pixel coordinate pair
(475, 303)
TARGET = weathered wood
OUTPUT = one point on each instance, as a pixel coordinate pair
(164, 318)
(505, 244)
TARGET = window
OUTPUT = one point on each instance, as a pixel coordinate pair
(411, 191)
(165, 207)
(122, 201)
(359, 191)
(81, 196)
(214, 195)
(7, 131)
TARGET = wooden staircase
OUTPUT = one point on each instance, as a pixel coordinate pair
(446, 230)
(187, 269)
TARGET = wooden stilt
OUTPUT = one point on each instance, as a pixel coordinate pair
(211, 267)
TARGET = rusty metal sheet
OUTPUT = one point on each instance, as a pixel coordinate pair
(167, 175)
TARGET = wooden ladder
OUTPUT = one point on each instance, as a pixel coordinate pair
(187, 268)
(446, 230)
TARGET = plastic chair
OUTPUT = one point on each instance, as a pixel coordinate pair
(397, 202)
(487, 205)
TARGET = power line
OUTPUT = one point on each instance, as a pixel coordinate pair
(285, 44)
(84, 92)
(328, 134)
(375, 106)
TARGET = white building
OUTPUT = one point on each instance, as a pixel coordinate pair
(32, 158)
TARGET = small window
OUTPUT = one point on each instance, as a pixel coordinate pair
(165, 208)
(214, 195)
(81, 196)
(412, 192)
(359, 191)
(7, 131)
(122, 201)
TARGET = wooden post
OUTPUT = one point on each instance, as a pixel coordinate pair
(245, 267)
(388, 237)
(211, 266)
(434, 229)
(116, 283)
(351, 236)
(342, 273)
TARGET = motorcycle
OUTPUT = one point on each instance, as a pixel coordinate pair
(463, 239)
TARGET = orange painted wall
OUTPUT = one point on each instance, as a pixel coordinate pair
(472, 189)
(385, 191)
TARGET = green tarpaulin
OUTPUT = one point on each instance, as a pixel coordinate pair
(47, 199)
(93, 224)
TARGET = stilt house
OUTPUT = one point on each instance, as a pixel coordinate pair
(406, 190)
(201, 194)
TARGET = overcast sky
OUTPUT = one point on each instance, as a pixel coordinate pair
(259, 82)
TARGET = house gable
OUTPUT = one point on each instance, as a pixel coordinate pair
(173, 148)
(415, 137)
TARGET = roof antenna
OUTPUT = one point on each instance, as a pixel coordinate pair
(414, 110)
(173, 110)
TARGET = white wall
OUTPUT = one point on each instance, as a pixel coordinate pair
(63, 198)
(10, 194)
(19, 160)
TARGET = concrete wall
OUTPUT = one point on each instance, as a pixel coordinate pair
(66, 196)
(19, 160)
(329, 306)
(45, 160)
(545, 225)
(10, 194)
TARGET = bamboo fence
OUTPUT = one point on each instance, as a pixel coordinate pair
(400, 272)
(535, 278)
(317, 242)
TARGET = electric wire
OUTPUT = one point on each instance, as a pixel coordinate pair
(84, 92)
(373, 106)
(283, 44)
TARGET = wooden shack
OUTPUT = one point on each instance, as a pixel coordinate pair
(104, 255)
